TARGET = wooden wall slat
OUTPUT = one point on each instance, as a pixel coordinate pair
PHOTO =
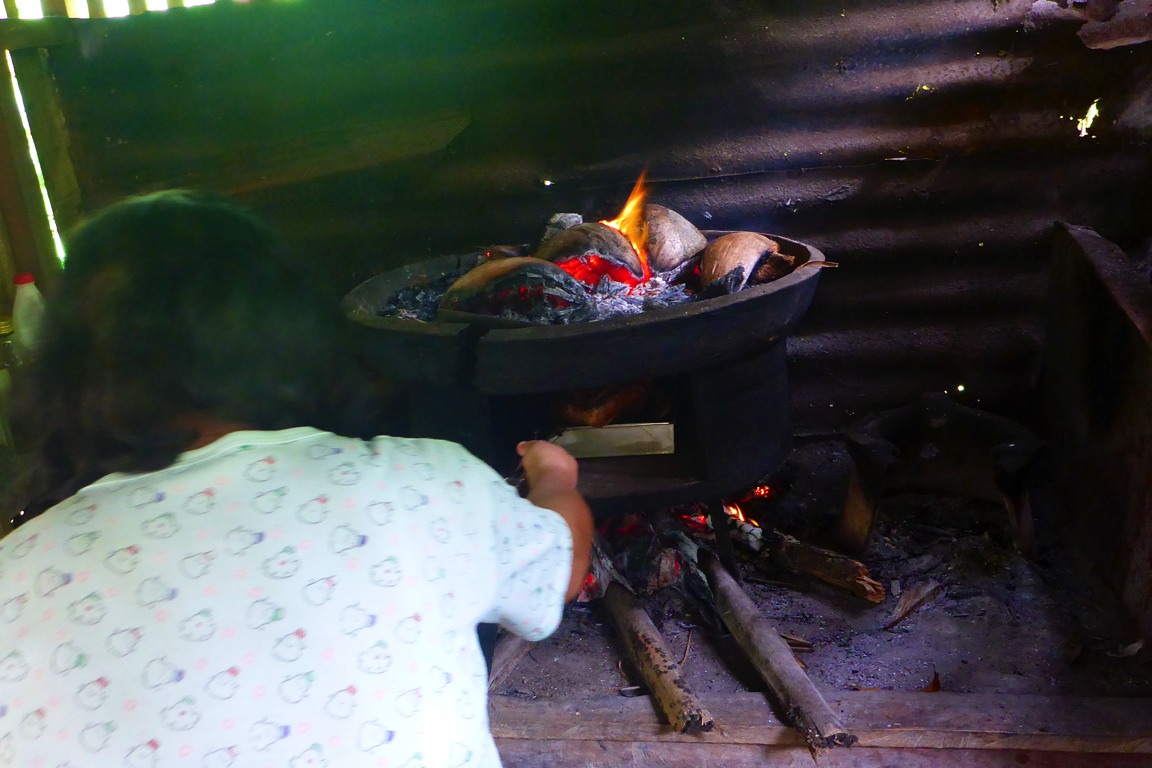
(48, 127)
(21, 202)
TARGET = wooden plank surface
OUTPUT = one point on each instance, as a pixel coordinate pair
(679, 755)
(881, 719)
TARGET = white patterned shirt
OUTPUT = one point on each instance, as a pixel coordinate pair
(287, 599)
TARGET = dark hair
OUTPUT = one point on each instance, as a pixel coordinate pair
(172, 304)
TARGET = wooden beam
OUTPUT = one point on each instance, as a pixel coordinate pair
(53, 146)
(36, 33)
(280, 162)
(880, 719)
(21, 201)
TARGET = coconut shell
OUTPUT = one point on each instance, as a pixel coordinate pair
(519, 288)
(738, 249)
(592, 238)
(672, 239)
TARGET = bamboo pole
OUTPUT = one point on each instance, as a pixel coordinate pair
(655, 661)
(646, 649)
(773, 659)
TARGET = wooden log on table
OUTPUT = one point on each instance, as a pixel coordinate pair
(773, 659)
(654, 660)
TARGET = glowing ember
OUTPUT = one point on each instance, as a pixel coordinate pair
(588, 270)
(632, 224)
(763, 491)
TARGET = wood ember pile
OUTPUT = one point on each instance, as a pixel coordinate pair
(582, 271)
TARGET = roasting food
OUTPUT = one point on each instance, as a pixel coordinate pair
(739, 250)
(672, 239)
(519, 289)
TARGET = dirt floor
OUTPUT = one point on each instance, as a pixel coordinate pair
(999, 623)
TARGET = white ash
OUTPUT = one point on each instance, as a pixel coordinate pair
(612, 299)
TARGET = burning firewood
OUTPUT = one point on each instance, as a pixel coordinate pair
(600, 406)
(648, 652)
(824, 564)
(775, 662)
(804, 559)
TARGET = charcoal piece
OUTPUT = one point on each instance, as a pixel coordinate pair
(520, 289)
(723, 286)
(672, 239)
(419, 301)
(591, 250)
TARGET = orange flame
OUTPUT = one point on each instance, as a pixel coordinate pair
(632, 224)
(737, 514)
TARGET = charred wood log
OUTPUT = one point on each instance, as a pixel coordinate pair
(648, 652)
(792, 690)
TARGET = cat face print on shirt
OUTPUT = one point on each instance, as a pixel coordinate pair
(411, 499)
(375, 660)
(92, 694)
(124, 641)
(373, 734)
(144, 755)
(264, 733)
(295, 688)
(67, 657)
(380, 512)
(223, 685)
(344, 538)
(387, 572)
(223, 757)
(261, 471)
(13, 667)
(313, 757)
(181, 716)
(13, 609)
(240, 540)
(123, 560)
(269, 501)
(160, 672)
(320, 591)
(197, 564)
(353, 618)
(143, 497)
(314, 511)
(160, 527)
(345, 473)
(290, 647)
(153, 591)
(94, 736)
(200, 503)
(263, 612)
(88, 610)
(198, 627)
(282, 565)
(440, 530)
(341, 704)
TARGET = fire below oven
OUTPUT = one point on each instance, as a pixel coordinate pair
(710, 375)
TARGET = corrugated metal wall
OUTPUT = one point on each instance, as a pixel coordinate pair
(926, 147)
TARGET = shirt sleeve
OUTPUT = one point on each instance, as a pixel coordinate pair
(530, 549)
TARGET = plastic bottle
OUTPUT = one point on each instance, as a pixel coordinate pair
(27, 314)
